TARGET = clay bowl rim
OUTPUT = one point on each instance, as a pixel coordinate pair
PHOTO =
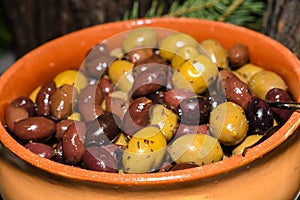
(202, 172)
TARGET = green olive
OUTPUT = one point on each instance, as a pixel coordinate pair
(228, 123)
(247, 71)
(120, 74)
(170, 44)
(198, 148)
(199, 73)
(263, 81)
(183, 54)
(247, 142)
(145, 151)
(216, 52)
(140, 38)
(166, 120)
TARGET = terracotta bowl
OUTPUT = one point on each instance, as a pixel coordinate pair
(270, 170)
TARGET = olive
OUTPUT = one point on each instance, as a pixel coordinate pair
(61, 127)
(13, 115)
(73, 142)
(184, 165)
(117, 102)
(216, 52)
(200, 72)
(228, 123)
(98, 159)
(120, 74)
(238, 55)
(62, 101)
(247, 142)
(43, 99)
(26, 103)
(278, 95)
(103, 130)
(172, 43)
(183, 54)
(148, 79)
(105, 85)
(174, 97)
(263, 81)
(139, 37)
(200, 149)
(145, 151)
(194, 110)
(260, 115)
(34, 128)
(183, 129)
(71, 77)
(138, 56)
(40, 149)
(165, 119)
(137, 115)
(248, 70)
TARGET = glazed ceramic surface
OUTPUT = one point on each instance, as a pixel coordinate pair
(269, 170)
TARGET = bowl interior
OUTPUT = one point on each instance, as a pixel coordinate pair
(42, 64)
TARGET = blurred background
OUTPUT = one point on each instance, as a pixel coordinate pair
(25, 25)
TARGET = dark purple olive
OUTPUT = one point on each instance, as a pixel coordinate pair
(278, 95)
(259, 115)
(174, 97)
(26, 103)
(58, 151)
(40, 149)
(194, 110)
(157, 97)
(43, 99)
(103, 130)
(98, 159)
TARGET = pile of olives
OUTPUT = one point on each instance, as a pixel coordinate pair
(151, 105)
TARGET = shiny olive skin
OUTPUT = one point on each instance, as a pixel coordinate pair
(43, 99)
(98, 159)
(148, 79)
(141, 55)
(194, 110)
(89, 102)
(62, 101)
(105, 85)
(26, 103)
(259, 115)
(40, 149)
(200, 149)
(73, 142)
(103, 130)
(248, 70)
(34, 128)
(276, 94)
(61, 127)
(183, 129)
(117, 102)
(137, 115)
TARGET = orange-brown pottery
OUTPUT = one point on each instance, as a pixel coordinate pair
(270, 170)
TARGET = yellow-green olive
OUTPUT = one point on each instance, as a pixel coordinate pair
(247, 71)
(71, 77)
(120, 74)
(166, 120)
(145, 151)
(247, 142)
(198, 148)
(170, 44)
(183, 54)
(199, 73)
(216, 52)
(140, 38)
(228, 123)
(263, 81)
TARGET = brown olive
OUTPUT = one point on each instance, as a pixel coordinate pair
(61, 127)
(140, 55)
(43, 99)
(73, 142)
(174, 97)
(26, 103)
(105, 85)
(103, 130)
(98, 159)
(62, 101)
(13, 115)
(41, 149)
(183, 129)
(148, 79)
(89, 102)
(238, 55)
(34, 128)
(137, 115)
